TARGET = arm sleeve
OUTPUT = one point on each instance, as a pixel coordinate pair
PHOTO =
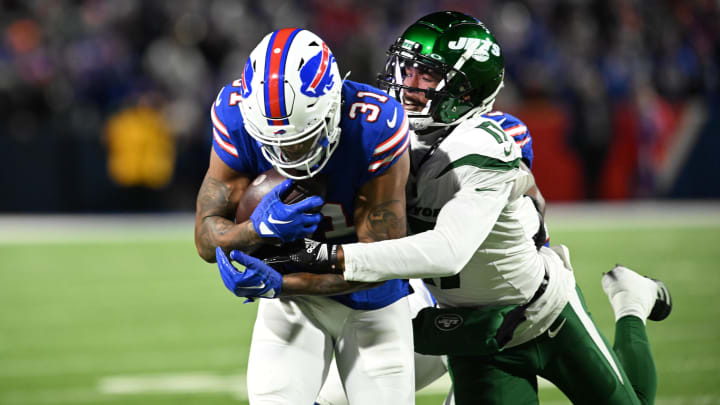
(462, 225)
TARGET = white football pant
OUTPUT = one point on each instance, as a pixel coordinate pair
(427, 368)
(294, 340)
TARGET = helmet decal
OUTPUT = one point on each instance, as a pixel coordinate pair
(275, 58)
(482, 47)
(316, 76)
(247, 77)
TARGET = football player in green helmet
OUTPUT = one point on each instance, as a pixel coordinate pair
(459, 54)
(508, 308)
(447, 68)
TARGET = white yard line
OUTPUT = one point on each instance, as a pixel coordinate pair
(196, 382)
(112, 228)
(235, 384)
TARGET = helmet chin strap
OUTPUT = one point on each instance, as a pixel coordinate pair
(421, 123)
(418, 120)
(346, 76)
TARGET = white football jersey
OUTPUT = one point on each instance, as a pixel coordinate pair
(466, 212)
(477, 157)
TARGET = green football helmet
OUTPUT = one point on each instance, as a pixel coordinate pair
(462, 52)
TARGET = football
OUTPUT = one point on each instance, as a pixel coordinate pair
(263, 183)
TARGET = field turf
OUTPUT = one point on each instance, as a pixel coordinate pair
(132, 319)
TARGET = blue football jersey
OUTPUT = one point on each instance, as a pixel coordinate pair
(374, 134)
(518, 130)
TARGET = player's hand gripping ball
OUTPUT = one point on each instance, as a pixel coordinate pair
(274, 219)
(282, 209)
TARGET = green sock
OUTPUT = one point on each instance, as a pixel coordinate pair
(633, 350)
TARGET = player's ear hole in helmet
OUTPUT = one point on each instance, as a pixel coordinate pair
(463, 55)
(292, 105)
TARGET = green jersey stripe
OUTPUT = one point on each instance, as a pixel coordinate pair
(482, 162)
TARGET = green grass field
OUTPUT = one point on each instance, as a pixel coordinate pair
(135, 320)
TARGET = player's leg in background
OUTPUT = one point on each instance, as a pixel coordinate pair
(634, 299)
(576, 357)
(374, 356)
(332, 392)
(633, 350)
(450, 399)
(290, 346)
(427, 368)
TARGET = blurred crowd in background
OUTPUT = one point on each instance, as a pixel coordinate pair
(105, 104)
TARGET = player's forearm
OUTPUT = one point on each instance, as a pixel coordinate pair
(320, 284)
(213, 226)
(219, 231)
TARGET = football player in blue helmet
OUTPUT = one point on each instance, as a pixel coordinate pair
(295, 117)
(292, 111)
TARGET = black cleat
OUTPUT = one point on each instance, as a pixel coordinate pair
(663, 303)
(633, 294)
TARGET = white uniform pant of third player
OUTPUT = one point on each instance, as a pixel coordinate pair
(294, 340)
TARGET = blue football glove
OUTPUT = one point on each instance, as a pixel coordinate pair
(274, 219)
(256, 280)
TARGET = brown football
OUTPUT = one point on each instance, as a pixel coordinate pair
(262, 185)
(265, 182)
